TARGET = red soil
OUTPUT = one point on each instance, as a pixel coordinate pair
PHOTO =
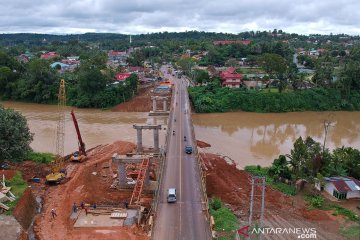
(202, 144)
(140, 103)
(25, 209)
(233, 186)
(9, 174)
(84, 186)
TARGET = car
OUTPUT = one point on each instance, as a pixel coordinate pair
(171, 197)
(188, 149)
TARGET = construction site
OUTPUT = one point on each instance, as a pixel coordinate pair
(96, 193)
(112, 190)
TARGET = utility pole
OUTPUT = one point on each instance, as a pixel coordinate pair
(327, 125)
(256, 182)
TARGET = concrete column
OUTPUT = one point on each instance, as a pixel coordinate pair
(156, 140)
(122, 175)
(164, 105)
(154, 104)
(139, 140)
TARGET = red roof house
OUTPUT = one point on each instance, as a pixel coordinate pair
(122, 76)
(230, 78)
(49, 55)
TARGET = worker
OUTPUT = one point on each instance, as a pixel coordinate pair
(74, 208)
(82, 205)
(86, 211)
(53, 213)
(126, 204)
(94, 205)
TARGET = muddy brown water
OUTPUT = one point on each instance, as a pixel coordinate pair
(257, 138)
(96, 126)
(248, 138)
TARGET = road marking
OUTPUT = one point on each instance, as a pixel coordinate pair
(180, 158)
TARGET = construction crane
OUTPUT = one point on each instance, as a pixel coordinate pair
(58, 173)
(80, 155)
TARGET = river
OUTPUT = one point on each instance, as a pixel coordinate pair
(96, 126)
(258, 138)
(248, 138)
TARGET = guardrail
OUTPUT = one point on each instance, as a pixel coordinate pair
(202, 174)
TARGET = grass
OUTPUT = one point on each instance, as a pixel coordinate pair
(263, 171)
(338, 210)
(319, 202)
(41, 157)
(225, 220)
(351, 232)
(18, 186)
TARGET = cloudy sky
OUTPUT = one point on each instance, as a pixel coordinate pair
(144, 16)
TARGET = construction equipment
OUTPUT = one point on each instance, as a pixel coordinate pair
(80, 155)
(58, 174)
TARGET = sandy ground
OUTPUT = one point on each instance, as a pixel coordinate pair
(233, 186)
(84, 186)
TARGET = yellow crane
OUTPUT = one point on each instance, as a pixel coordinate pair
(57, 173)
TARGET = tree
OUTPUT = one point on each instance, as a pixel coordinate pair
(201, 76)
(186, 64)
(15, 136)
(277, 65)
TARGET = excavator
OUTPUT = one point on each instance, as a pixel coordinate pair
(78, 156)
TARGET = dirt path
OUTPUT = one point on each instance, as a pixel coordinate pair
(233, 186)
(89, 188)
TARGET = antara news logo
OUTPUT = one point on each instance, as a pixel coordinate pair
(301, 233)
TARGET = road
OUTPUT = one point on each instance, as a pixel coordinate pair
(183, 220)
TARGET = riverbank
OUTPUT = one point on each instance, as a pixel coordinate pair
(208, 99)
(140, 103)
(225, 181)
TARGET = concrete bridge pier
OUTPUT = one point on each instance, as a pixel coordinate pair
(139, 128)
(139, 147)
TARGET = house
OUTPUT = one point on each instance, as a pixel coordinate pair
(49, 55)
(226, 42)
(117, 56)
(122, 76)
(23, 58)
(137, 69)
(63, 66)
(230, 78)
(212, 71)
(340, 187)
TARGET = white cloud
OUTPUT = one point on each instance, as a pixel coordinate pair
(143, 16)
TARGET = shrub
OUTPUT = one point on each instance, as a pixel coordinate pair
(215, 204)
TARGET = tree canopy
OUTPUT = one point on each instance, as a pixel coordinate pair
(15, 136)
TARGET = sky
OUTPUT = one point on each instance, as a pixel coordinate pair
(144, 16)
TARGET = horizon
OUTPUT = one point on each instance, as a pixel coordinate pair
(177, 32)
(303, 17)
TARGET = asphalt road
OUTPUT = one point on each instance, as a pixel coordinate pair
(183, 220)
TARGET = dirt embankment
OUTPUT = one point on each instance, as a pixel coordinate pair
(140, 103)
(202, 144)
(25, 209)
(88, 182)
(233, 186)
